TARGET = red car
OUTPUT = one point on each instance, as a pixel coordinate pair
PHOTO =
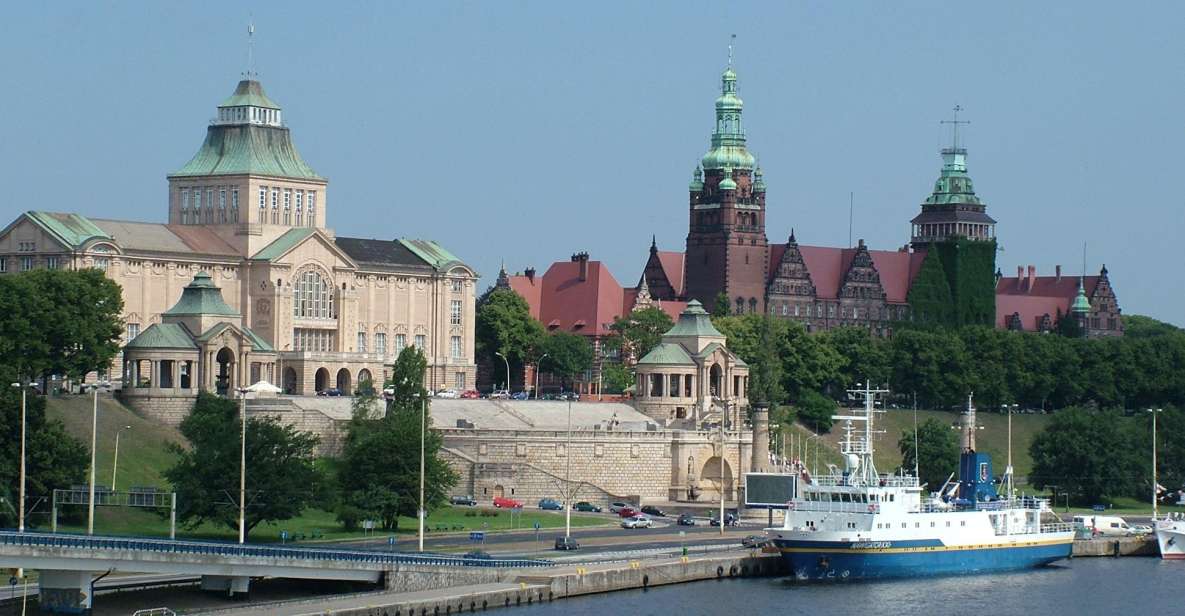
(628, 512)
(507, 503)
(470, 395)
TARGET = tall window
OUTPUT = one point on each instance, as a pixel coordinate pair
(51, 263)
(299, 208)
(287, 206)
(222, 217)
(312, 297)
(3, 264)
(197, 206)
(312, 208)
(275, 206)
(455, 312)
(457, 286)
(209, 206)
(361, 342)
(380, 344)
(400, 343)
(459, 381)
(234, 204)
(185, 206)
(133, 331)
(263, 204)
(26, 264)
(315, 340)
(454, 345)
(420, 342)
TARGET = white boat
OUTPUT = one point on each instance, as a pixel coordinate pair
(856, 523)
(1170, 537)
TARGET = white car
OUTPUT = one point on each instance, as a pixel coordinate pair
(450, 394)
(637, 521)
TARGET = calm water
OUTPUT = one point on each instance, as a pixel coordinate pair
(1140, 586)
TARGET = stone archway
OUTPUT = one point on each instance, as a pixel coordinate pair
(224, 371)
(715, 380)
(289, 384)
(343, 381)
(710, 479)
(499, 491)
(321, 380)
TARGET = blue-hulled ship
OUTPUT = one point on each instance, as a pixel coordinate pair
(855, 523)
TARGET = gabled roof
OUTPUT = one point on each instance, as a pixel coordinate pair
(257, 343)
(163, 336)
(149, 237)
(201, 297)
(667, 354)
(672, 265)
(561, 300)
(72, 230)
(433, 254)
(694, 321)
(381, 254)
(1036, 297)
(281, 245)
(827, 266)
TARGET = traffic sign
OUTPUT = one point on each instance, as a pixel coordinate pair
(477, 535)
(390, 540)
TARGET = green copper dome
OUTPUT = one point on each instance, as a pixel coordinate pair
(728, 183)
(953, 186)
(1081, 304)
(728, 138)
(697, 180)
(758, 181)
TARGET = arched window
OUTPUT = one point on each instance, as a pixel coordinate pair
(312, 297)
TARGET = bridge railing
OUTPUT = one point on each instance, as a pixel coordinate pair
(235, 550)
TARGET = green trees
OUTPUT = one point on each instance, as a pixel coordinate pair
(1087, 453)
(720, 305)
(281, 478)
(637, 332)
(936, 455)
(504, 325)
(568, 355)
(54, 458)
(378, 475)
(815, 410)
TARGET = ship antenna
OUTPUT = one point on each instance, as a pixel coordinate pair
(916, 453)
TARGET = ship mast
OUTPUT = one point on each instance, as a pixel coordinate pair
(858, 453)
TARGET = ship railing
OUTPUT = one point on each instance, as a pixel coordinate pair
(834, 507)
(1057, 527)
(887, 481)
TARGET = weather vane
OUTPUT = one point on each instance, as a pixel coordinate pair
(732, 39)
(955, 126)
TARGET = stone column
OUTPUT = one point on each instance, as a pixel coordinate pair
(760, 448)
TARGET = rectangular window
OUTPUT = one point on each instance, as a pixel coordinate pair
(674, 385)
(102, 263)
(222, 217)
(421, 340)
(300, 208)
(51, 263)
(361, 342)
(400, 343)
(455, 347)
(380, 344)
(3, 264)
(209, 205)
(312, 208)
(459, 381)
(263, 204)
(288, 207)
(197, 206)
(234, 204)
(184, 206)
(275, 206)
(457, 286)
(26, 264)
(133, 331)
(455, 312)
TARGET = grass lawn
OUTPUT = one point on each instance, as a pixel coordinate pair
(993, 438)
(325, 524)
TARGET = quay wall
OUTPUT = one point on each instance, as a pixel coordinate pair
(1118, 546)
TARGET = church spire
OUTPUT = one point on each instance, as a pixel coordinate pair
(728, 138)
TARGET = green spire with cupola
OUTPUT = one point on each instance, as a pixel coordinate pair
(1081, 305)
(728, 183)
(697, 180)
(728, 138)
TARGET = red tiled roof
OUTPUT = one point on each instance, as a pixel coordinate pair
(672, 265)
(1032, 300)
(827, 266)
(560, 300)
(530, 290)
(672, 308)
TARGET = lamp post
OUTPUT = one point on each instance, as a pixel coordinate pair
(243, 464)
(568, 496)
(90, 501)
(115, 460)
(21, 500)
(423, 427)
(1154, 412)
(1011, 408)
(538, 365)
(507, 369)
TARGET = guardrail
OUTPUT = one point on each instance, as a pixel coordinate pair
(235, 550)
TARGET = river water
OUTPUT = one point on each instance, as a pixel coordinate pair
(1131, 585)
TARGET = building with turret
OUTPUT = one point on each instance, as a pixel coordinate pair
(246, 218)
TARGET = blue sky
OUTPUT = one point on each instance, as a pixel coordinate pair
(527, 131)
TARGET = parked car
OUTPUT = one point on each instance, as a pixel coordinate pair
(506, 503)
(450, 394)
(729, 520)
(520, 395)
(478, 555)
(628, 512)
(653, 511)
(637, 521)
(470, 394)
(586, 506)
(499, 394)
(463, 500)
(615, 507)
(570, 395)
(550, 504)
(333, 392)
(753, 541)
(686, 520)
(1105, 525)
(566, 543)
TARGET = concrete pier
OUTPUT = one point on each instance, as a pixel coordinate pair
(1116, 546)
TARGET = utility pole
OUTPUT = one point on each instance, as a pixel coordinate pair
(21, 500)
(90, 507)
(243, 465)
(1154, 412)
(568, 496)
(115, 461)
(423, 426)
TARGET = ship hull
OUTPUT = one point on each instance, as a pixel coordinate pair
(1170, 537)
(808, 562)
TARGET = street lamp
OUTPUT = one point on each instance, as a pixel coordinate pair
(115, 461)
(507, 369)
(538, 365)
(423, 430)
(1154, 412)
(568, 495)
(243, 464)
(90, 501)
(21, 513)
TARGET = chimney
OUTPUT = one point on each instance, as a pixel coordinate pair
(530, 274)
(1032, 277)
(582, 259)
(1020, 277)
(1058, 271)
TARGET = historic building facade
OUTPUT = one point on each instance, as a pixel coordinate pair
(251, 215)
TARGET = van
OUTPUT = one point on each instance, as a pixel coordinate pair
(1105, 525)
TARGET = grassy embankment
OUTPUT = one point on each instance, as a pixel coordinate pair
(144, 455)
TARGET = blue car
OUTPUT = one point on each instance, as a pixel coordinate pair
(551, 504)
(520, 395)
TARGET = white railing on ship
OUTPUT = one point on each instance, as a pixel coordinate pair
(833, 507)
(1058, 527)
(891, 481)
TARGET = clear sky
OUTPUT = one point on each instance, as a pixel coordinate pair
(527, 131)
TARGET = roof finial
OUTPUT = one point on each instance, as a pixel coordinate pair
(955, 126)
(732, 39)
(250, 46)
